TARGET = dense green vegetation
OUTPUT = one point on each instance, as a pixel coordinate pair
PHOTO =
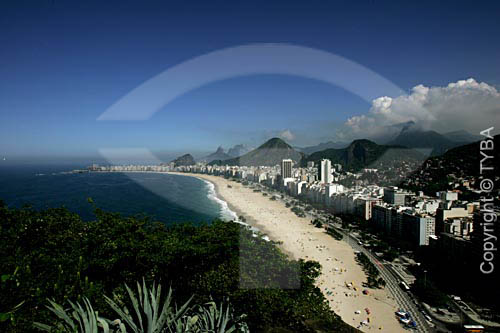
(53, 254)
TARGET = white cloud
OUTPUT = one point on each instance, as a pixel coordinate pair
(466, 104)
(287, 135)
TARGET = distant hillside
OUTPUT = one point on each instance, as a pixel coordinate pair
(462, 136)
(322, 146)
(219, 154)
(414, 138)
(463, 161)
(389, 132)
(183, 160)
(269, 154)
(365, 153)
(238, 150)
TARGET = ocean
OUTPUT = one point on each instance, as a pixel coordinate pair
(163, 197)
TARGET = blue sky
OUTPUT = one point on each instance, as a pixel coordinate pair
(62, 64)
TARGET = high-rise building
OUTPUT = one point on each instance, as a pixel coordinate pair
(326, 171)
(444, 213)
(417, 229)
(394, 196)
(286, 168)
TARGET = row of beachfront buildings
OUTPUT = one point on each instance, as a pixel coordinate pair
(443, 221)
(419, 219)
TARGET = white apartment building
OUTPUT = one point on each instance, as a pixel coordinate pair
(326, 171)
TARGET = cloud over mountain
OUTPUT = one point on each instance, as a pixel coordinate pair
(287, 135)
(465, 104)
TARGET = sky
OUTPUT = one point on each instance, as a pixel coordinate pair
(63, 64)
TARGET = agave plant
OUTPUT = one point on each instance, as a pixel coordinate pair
(79, 319)
(211, 319)
(150, 315)
(218, 320)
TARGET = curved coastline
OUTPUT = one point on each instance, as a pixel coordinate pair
(226, 212)
(213, 194)
(301, 240)
(251, 222)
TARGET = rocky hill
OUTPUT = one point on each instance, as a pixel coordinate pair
(238, 150)
(183, 160)
(270, 153)
(219, 154)
(458, 163)
(435, 143)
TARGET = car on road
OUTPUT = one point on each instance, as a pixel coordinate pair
(401, 314)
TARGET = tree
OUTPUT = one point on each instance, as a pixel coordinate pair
(60, 257)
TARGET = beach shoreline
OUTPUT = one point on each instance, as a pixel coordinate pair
(249, 220)
(342, 278)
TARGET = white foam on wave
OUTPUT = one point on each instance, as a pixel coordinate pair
(226, 214)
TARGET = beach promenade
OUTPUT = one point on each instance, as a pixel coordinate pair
(342, 278)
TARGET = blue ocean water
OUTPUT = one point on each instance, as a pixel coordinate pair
(164, 197)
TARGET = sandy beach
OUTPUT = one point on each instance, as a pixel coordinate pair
(300, 239)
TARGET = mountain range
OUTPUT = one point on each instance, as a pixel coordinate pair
(435, 143)
(365, 153)
(409, 135)
(270, 153)
(462, 161)
(411, 144)
(219, 154)
(462, 136)
(238, 150)
(322, 146)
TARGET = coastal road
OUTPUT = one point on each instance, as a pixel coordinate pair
(402, 298)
